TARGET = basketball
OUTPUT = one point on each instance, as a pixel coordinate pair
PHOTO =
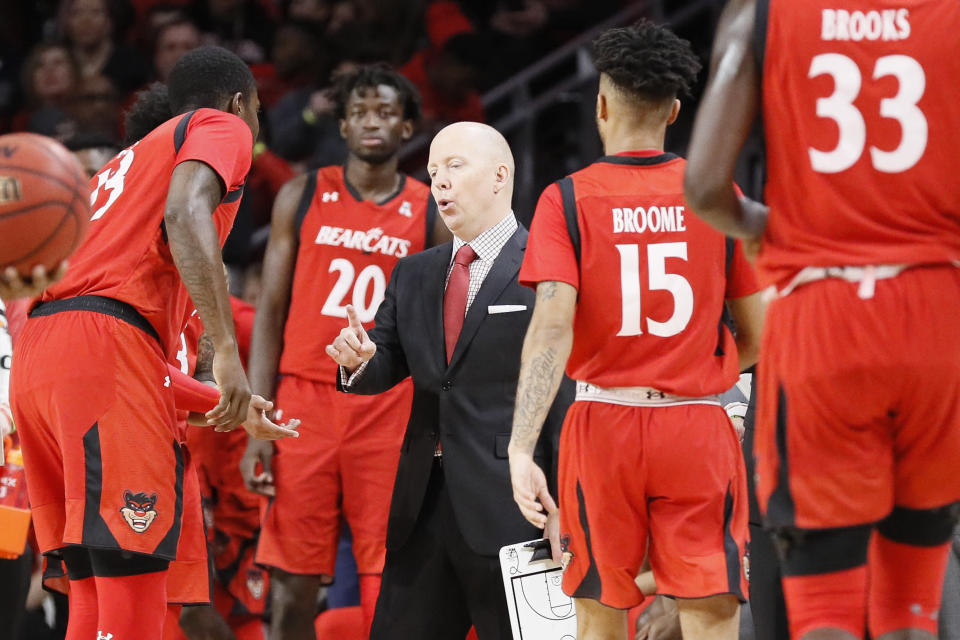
(44, 202)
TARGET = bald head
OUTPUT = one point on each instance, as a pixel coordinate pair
(471, 172)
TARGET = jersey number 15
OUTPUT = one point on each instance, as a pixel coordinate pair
(658, 279)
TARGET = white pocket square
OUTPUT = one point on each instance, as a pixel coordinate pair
(506, 308)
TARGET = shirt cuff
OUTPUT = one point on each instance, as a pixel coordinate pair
(346, 380)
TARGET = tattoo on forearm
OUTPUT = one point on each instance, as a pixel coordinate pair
(205, 353)
(539, 379)
(546, 290)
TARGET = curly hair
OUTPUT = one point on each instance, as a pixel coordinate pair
(372, 76)
(207, 76)
(647, 61)
(150, 109)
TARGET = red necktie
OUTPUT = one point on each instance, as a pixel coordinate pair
(455, 299)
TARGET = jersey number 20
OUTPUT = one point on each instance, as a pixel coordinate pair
(659, 279)
(369, 275)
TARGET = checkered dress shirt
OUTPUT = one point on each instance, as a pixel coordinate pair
(487, 246)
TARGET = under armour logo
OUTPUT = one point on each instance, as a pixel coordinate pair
(330, 196)
(102, 636)
(659, 395)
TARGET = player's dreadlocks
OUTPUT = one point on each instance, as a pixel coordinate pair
(206, 77)
(149, 111)
(370, 77)
(646, 61)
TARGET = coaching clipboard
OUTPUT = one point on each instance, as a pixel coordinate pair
(539, 610)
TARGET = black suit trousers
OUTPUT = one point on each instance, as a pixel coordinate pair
(434, 586)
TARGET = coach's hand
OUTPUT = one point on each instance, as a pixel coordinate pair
(13, 285)
(258, 452)
(234, 389)
(353, 346)
(529, 486)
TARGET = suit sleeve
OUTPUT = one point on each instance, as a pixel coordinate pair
(388, 366)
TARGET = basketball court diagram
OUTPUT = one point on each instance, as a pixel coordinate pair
(539, 610)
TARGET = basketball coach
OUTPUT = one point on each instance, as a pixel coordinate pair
(453, 318)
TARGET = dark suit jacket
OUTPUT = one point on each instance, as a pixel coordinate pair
(469, 403)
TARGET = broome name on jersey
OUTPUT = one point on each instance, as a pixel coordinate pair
(654, 218)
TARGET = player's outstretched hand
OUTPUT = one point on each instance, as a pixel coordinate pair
(13, 285)
(353, 346)
(234, 389)
(530, 490)
(259, 426)
(259, 452)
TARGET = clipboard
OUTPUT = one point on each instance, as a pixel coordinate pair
(539, 610)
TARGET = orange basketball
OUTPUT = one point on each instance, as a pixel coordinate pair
(44, 202)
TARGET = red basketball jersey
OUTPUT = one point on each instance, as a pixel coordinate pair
(125, 254)
(348, 248)
(862, 129)
(652, 278)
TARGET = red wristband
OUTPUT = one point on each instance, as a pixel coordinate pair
(190, 394)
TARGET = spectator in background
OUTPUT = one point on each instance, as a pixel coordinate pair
(446, 78)
(315, 11)
(96, 108)
(303, 127)
(298, 58)
(92, 151)
(242, 26)
(50, 78)
(173, 38)
(89, 28)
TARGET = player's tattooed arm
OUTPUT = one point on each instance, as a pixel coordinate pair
(722, 125)
(546, 348)
(195, 192)
(205, 352)
(545, 351)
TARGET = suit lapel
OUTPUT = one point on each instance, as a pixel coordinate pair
(434, 280)
(503, 272)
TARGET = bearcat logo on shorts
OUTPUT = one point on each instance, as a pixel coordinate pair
(255, 583)
(9, 189)
(139, 510)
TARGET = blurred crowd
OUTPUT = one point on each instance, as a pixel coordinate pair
(70, 68)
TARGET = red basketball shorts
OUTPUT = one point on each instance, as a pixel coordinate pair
(343, 465)
(189, 579)
(95, 412)
(859, 406)
(672, 476)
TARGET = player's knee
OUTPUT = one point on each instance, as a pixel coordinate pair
(204, 622)
(920, 527)
(720, 607)
(805, 552)
(293, 595)
(596, 620)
